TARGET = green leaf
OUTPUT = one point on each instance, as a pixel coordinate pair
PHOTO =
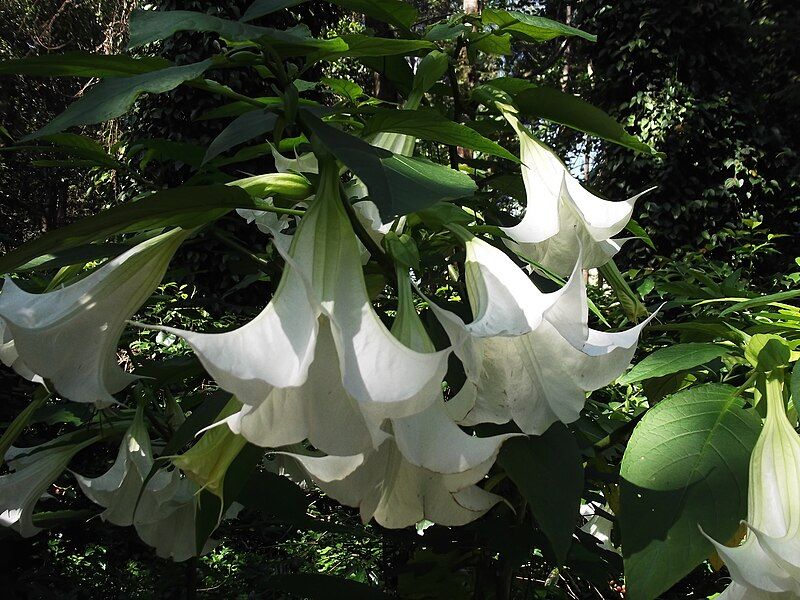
(672, 359)
(242, 129)
(393, 68)
(430, 69)
(314, 586)
(182, 207)
(275, 496)
(430, 125)
(548, 471)
(259, 8)
(531, 27)
(148, 26)
(113, 97)
(566, 109)
(637, 230)
(794, 386)
(395, 12)
(760, 301)
(72, 256)
(82, 64)
(358, 46)
(344, 87)
(397, 184)
(686, 465)
(498, 44)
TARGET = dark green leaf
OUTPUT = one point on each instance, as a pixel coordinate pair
(397, 184)
(72, 256)
(393, 68)
(113, 97)
(395, 12)
(794, 388)
(548, 471)
(275, 496)
(496, 43)
(430, 69)
(672, 359)
(430, 125)
(446, 31)
(82, 64)
(686, 465)
(325, 587)
(531, 27)
(242, 129)
(566, 109)
(358, 46)
(259, 8)
(182, 207)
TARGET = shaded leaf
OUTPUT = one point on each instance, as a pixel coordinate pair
(259, 8)
(113, 97)
(242, 129)
(397, 184)
(548, 471)
(82, 64)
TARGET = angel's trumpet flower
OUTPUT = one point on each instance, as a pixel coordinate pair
(33, 470)
(529, 356)
(767, 564)
(69, 335)
(318, 362)
(561, 215)
(426, 469)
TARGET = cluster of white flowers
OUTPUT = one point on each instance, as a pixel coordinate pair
(318, 365)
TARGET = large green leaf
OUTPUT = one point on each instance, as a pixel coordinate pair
(186, 207)
(686, 465)
(673, 359)
(150, 26)
(113, 97)
(531, 27)
(395, 12)
(314, 586)
(242, 129)
(430, 125)
(82, 64)
(548, 471)
(259, 8)
(397, 184)
(566, 109)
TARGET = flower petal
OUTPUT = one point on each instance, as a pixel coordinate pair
(70, 335)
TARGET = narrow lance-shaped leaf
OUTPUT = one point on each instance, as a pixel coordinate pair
(429, 125)
(113, 97)
(82, 64)
(184, 207)
(242, 129)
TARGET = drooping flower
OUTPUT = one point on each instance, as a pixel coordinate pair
(529, 356)
(117, 490)
(767, 564)
(561, 215)
(34, 470)
(318, 356)
(9, 356)
(598, 526)
(163, 512)
(425, 469)
(69, 335)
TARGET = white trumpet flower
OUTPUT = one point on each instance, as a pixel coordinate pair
(426, 469)
(561, 215)
(529, 356)
(117, 490)
(69, 335)
(34, 470)
(163, 513)
(318, 354)
(767, 564)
